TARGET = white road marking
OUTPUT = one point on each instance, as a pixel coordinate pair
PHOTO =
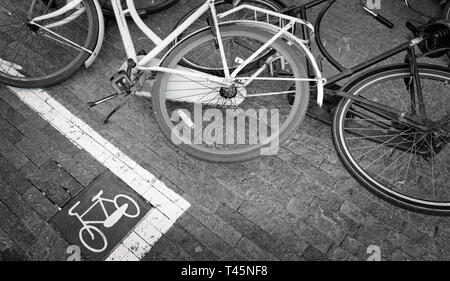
(169, 206)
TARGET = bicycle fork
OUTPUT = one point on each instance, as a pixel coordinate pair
(415, 87)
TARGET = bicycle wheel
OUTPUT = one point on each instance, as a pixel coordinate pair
(133, 210)
(96, 242)
(143, 7)
(222, 6)
(403, 164)
(249, 104)
(35, 56)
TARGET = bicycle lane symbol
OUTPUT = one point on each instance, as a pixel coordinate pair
(110, 220)
(100, 217)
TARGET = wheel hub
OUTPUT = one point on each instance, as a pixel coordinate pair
(32, 27)
(228, 93)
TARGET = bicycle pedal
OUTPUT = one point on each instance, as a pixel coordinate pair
(121, 83)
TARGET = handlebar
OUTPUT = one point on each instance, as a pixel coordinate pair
(71, 213)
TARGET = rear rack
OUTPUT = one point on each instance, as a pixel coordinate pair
(271, 17)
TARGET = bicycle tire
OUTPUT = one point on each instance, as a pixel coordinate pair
(96, 230)
(50, 79)
(221, 6)
(142, 11)
(363, 176)
(297, 111)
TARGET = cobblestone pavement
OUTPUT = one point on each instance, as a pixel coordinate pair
(298, 205)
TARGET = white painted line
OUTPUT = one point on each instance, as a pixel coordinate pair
(169, 206)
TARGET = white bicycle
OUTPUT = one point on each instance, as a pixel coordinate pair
(124, 206)
(256, 66)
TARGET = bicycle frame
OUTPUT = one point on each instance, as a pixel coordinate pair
(161, 44)
(80, 217)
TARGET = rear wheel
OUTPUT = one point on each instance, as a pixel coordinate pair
(400, 163)
(230, 123)
(44, 53)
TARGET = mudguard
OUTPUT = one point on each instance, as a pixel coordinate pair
(101, 35)
(299, 43)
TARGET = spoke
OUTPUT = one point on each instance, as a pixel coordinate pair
(271, 94)
(380, 136)
(69, 42)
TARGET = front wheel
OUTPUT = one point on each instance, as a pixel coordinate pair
(229, 123)
(43, 53)
(403, 164)
(93, 239)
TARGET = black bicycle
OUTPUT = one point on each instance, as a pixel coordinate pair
(391, 124)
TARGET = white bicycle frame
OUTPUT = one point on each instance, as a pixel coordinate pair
(161, 44)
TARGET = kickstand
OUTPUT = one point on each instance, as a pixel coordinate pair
(112, 113)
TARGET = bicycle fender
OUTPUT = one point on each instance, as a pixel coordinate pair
(101, 35)
(299, 44)
(273, 29)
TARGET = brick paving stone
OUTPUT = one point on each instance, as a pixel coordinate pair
(9, 251)
(12, 154)
(354, 247)
(211, 240)
(81, 174)
(32, 117)
(8, 131)
(59, 250)
(213, 222)
(165, 249)
(44, 232)
(55, 193)
(34, 174)
(16, 229)
(39, 252)
(339, 254)
(40, 203)
(398, 255)
(313, 254)
(234, 255)
(256, 235)
(192, 246)
(15, 202)
(334, 226)
(62, 177)
(9, 98)
(32, 151)
(60, 141)
(89, 162)
(9, 113)
(251, 250)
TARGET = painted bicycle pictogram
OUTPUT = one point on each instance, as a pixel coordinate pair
(129, 209)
